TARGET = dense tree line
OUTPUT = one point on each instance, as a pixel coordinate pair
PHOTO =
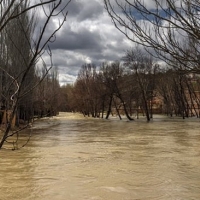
(37, 93)
(28, 86)
(134, 86)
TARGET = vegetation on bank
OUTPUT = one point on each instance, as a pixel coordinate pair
(28, 85)
(133, 88)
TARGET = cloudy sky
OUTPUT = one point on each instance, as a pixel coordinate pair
(87, 36)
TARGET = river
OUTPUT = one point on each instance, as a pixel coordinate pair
(70, 157)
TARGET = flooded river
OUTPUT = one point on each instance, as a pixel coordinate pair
(73, 158)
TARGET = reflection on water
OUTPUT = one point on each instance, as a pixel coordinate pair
(73, 158)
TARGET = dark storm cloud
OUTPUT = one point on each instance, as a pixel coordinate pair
(83, 39)
(83, 9)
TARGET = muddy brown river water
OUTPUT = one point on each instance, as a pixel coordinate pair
(70, 157)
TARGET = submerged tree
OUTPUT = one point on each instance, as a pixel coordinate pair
(112, 76)
(143, 71)
(136, 86)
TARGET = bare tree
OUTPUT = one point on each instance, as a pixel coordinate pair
(16, 39)
(46, 94)
(67, 98)
(113, 80)
(143, 69)
(8, 9)
(13, 10)
(87, 90)
(168, 29)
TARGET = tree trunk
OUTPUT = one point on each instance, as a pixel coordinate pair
(109, 107)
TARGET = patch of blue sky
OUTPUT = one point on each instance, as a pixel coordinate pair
(152, 15)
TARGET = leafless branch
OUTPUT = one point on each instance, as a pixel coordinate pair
(160, 28)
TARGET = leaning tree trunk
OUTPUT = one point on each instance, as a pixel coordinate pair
(109, 107)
